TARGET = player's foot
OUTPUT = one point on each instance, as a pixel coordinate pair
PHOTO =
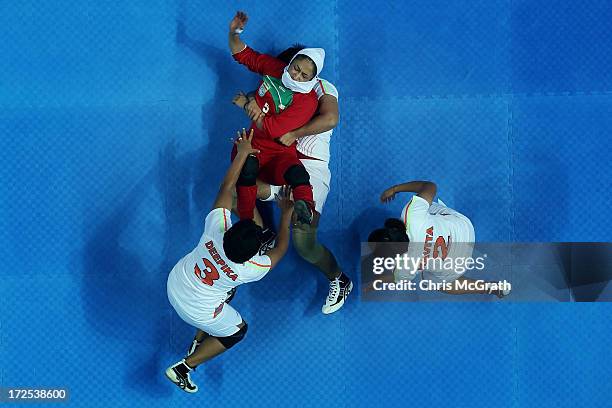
(268, 241)
(500, 293)
(179, 374)
(303, 211)
(339, 290)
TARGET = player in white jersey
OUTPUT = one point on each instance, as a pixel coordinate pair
(313, 140)
(431, 231)
(226, 256)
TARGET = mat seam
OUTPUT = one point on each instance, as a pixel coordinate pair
(485, 96)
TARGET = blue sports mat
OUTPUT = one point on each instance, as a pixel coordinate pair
(114, 127)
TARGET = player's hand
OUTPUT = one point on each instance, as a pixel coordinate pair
(253, 110)
(288, 139)
(240, 99)
(388, 195)
(284, 202)
(243, 143)
(238, 22)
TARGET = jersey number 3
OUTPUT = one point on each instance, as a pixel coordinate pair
(210, 272)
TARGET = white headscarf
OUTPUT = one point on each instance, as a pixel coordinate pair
(315, 54)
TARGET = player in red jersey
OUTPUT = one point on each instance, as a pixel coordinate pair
(286, 97)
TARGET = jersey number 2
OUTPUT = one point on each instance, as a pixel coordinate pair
(441, 247)
(210, 272)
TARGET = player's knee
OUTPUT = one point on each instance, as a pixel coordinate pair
(248, 174)
(230, 341)
(297, 176)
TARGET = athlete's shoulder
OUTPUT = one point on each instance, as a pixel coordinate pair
(324, 87)
(414, 212)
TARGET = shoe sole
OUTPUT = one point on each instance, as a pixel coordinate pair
(302, 212)
(338, 305)
(172, 377)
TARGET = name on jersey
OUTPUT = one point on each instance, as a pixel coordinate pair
(440, 247)
(219, 261)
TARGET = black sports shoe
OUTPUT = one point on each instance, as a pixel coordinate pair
(179, 374)
(303, 211)
(268, 241)
(339, 290)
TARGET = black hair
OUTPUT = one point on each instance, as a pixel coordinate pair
(242, 241)
(287, 55)
(393, 238)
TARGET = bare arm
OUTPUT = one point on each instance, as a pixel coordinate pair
(224, 196)
(326, 119)
(424, 189)
(238, 22)
(282, 242)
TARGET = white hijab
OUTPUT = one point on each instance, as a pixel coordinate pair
(315, 54)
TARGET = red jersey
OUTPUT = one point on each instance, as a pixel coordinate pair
(278, 119)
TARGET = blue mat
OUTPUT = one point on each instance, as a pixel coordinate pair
(114, 128)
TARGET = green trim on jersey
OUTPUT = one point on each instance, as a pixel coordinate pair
(326, 89)
(282, 96)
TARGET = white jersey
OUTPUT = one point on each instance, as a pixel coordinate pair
(200, 281)
(435, 231)
(317, 146)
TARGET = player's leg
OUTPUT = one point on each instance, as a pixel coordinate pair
(287, 169)
(256, 216)
(212, 346)
(246, 188)
(224, 332)
(311, 250)
(306, 241)
(307, 245)
(201, 335)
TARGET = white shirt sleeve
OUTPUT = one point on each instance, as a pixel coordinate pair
(415, 214)
(217, 222)
(255, 268)
(324, 87)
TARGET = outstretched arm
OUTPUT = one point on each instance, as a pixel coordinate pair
(236, 26)
(224, 196)
(260, 63)
(424, 189)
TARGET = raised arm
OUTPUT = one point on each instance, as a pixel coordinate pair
(260, 63)
(225, 194)
(424, 189)
(235, 28)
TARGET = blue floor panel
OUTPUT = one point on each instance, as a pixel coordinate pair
(424, 48)
(443, 139)
(561, 47)
(115, 120)
(560, 154)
